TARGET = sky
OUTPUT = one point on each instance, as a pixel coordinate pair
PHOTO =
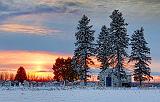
(33, 33)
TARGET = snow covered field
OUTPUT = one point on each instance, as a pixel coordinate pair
(79, 95)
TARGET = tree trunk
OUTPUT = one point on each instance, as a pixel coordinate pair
(140, 82)
(85, 69)
(85, 73)
(119, 67)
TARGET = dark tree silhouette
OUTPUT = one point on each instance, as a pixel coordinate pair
(104, 49)
(63, 70)
(21, 75)
(84, 48)
(140, 54)
(120, 42)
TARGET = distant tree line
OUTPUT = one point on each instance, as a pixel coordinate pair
(110, 49)
(22, 76)
(6, 76)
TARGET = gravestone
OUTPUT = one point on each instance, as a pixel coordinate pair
(26, 83)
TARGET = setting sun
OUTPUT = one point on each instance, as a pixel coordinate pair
(36, 63)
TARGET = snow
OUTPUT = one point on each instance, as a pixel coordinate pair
(79, 95)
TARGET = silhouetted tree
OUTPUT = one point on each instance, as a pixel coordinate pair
(21, 75)
(140, 54)
(104, 48)
(63, 70)
(84, 47)
(120, 42)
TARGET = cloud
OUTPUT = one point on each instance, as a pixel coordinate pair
(32, 61)
(24, 7)
(26, 29)
(72, 4)
(155, 66)
(149, 1)
(155, 73)
(44, 71)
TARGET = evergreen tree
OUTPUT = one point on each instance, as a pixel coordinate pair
(21, 75)
(140, 55)
(120, 41)
(84, 47)
(104, 49)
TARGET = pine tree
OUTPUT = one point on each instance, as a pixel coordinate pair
(21, 75)
(120, 42)
(140, 55)
(104, 49)
(84, 47)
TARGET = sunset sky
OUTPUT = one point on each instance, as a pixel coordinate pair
(33, 33)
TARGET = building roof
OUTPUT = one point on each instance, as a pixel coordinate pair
(128, 72)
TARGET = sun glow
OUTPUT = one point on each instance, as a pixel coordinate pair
(38, 64)
(39, 68)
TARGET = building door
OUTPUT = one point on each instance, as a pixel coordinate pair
(108, 81)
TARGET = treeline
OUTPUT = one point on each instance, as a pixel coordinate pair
(110, 48)
(37, 78)
(21, 76)
(6, 76)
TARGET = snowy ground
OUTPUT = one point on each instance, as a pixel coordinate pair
(79, 95)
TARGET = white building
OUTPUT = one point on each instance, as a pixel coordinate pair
(107, 78)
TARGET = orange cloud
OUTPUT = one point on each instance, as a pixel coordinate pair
(21, 28)
(39, 62)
